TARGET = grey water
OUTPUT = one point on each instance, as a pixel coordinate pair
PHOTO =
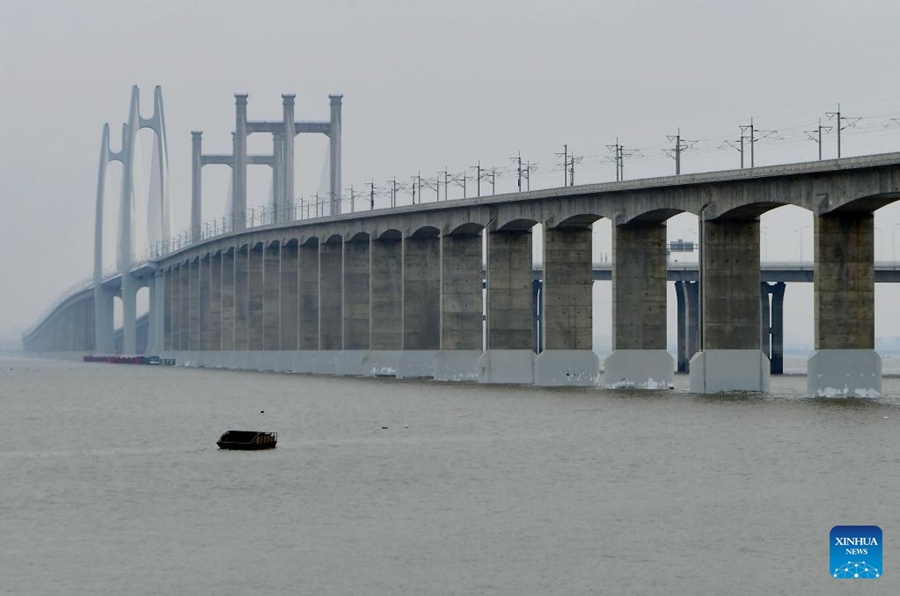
(111, 483)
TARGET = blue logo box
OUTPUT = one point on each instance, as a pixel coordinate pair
(856, 552)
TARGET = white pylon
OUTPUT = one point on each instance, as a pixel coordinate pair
(157, 221)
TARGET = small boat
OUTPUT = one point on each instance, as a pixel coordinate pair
(247, 440)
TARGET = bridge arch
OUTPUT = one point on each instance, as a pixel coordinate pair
(391, 234)
(516, 225)
(425, 232)
(466, 229)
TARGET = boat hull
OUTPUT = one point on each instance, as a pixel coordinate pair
(244, 446)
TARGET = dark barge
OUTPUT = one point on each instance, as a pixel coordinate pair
(247, 440)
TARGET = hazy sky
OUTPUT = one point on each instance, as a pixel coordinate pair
(428, 85)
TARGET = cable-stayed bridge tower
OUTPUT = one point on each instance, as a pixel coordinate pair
(157, 221)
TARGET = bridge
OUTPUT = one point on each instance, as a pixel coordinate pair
(445, 290)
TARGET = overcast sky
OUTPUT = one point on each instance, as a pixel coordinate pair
(428, 85)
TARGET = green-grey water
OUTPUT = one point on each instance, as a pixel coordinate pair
(112, 484)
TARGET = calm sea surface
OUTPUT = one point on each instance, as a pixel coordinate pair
(111, 483)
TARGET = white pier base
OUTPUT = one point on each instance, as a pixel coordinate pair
(381, 363)
(350, 362)
(506, 366)
(641, 369)
(284, 360)
(303, 361)
(566, 368)
(456, 365)
(718, 371)
(416, 364)
(325, 362)
(844, 373)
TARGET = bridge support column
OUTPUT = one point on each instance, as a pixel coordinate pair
(228, 302)
(845, 362)
(510, 355)
(156, 328)
(290, 305)
(639, 357)
(772, 331)
(193, 312)
(730, 358)
(308, 307)
(179, 312)
(203, 304)
(386, 304)
(168, 306)
(129, 314)
(356, 308)
(687, 294)
(271, 308)
(104, 307)
(567, 357)
(421, 306)
(255, 287)
(331, 305)
(214, 306)
(462, 308)
(241, 305)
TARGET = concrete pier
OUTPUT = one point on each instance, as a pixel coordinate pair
(386, 303)
(566, 310)
(731, 358)
(687, 295)
(509, 357)
(178, 306)
(203, 301)
(772, 332)
(845, 363)
(331, 274)
(639, 357)
(241, 298)
(129, 314)
(462, 305)
(289, 298)
(228, 300)
(308, 303)
(421, 304)
(272, 297)
(103, 320)
(255, 297)
(356, 296)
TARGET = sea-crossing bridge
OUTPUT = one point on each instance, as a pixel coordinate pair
(445, 290)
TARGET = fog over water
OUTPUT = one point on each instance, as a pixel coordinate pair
(112, 484)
